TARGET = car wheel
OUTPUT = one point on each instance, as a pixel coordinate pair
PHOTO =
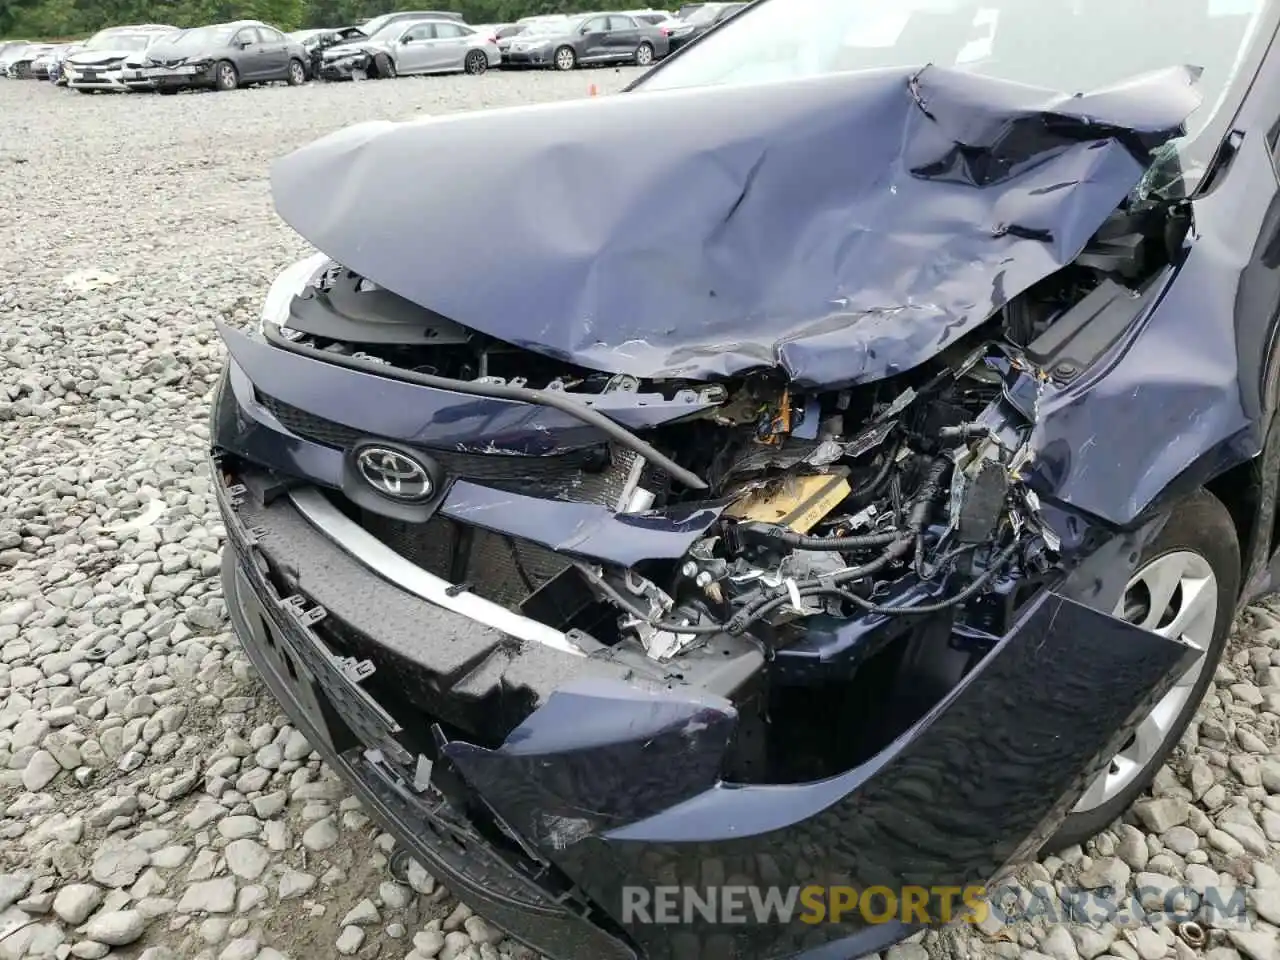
(226, 77)
(644, 54)
(476, 63)
(297, 73)
(384, 66)
(566, 59)
(1185, 585)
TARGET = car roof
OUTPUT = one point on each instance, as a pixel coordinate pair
(425, 14)
(415, 21)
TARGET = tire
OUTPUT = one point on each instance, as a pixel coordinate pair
(384, 67)
(1200, 533)
(644, 54)
(297, 72)
(565, 58)
(476, 63)
(226, 76)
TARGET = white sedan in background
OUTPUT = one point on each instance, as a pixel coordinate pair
(99, 65)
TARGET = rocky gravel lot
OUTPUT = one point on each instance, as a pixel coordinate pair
(154, 803)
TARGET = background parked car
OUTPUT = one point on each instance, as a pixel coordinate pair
(6, 47)
(408, 47)
(700, 21)
(133, 70)
(99, 65)
(316, 42)
(595, 38)
(18, 60)
(42, 61)
(56, 74)
(508, 34)
(224, 56)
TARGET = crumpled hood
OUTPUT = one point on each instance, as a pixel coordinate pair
(167, 54)
(843, 228)
(89, 58)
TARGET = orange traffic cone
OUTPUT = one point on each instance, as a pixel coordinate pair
(593, 90)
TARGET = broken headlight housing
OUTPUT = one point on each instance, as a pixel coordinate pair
(291, 281)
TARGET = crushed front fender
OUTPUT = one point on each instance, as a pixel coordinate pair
(622, 791)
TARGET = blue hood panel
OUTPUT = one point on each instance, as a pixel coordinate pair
(842, 228)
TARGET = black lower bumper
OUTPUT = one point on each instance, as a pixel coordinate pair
(342, 724)
(608, 788)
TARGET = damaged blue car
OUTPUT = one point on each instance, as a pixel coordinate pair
(871, 514)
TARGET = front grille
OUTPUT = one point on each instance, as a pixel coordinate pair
(308, 426)
(586, 476)
(499, 568)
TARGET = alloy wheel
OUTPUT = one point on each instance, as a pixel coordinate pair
(564, 58)
(1176, 596)
(644, 55)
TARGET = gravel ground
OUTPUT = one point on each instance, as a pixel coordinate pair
(154, 802)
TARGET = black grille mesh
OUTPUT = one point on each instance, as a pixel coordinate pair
(503, 569)
(587, 476)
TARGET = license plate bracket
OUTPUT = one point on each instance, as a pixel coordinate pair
(338, 677)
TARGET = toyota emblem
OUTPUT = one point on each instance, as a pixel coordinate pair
(395, 475)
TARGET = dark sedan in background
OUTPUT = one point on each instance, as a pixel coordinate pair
(222, 56)
(596, 38)
(699, 21)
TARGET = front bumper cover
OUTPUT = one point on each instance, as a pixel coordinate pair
(167, 78)
(93, 78)
(346, 69)
(608, 785)
(541, 57)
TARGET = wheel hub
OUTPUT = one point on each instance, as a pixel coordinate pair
(1176, 596)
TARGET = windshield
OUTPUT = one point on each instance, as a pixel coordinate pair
(544, 27)
(388, 31)
(704, 14)
(112, 40)
(202, 38)
(1069, 46)
(378, 24)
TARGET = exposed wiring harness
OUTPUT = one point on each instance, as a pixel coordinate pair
(896, 545)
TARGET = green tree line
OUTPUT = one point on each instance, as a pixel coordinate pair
(64, 19)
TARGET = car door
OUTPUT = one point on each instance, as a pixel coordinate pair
(623, 37)
(275, 53)
(246, 46)
(414, 50)
(592, 39)
(451, 46)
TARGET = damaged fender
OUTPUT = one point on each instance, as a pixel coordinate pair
(982, 779)
(794, 218)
